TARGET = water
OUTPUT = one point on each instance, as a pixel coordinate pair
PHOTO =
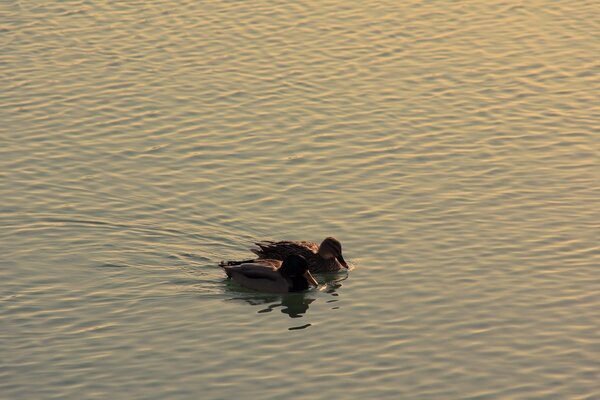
(453, 148)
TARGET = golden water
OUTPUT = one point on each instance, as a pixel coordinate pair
(452, 147)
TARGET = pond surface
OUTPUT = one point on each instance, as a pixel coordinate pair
(452, 147)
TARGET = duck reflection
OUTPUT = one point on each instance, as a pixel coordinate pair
(333, 282)
(295, 305)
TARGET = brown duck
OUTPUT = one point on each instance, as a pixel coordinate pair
(326, 257)
(289, 275)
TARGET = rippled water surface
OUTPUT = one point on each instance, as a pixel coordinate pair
(452, 147)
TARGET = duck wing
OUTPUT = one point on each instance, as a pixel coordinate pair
(280, 250)
(261, 276)
(266, 267)
(275, 264)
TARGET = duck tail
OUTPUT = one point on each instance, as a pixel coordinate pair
(263, 248)
(232, 263)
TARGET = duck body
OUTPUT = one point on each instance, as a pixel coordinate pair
(326, 257)
(273, 276)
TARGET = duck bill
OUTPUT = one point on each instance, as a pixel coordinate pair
(342, 261)
(310, 278)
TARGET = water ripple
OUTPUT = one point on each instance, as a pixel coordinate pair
(451, 147)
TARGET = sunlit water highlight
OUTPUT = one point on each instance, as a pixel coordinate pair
(452, 147)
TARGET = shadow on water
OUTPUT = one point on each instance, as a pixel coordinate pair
(295, 305)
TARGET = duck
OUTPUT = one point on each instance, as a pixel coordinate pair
(326, 257)
(273, 276)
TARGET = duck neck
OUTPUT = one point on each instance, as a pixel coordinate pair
(297, 283)
(322, 256)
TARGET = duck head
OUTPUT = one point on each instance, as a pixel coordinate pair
(332, 248)
(295, 269)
